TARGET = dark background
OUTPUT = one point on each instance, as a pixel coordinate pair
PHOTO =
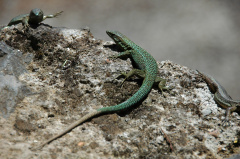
(201, 35)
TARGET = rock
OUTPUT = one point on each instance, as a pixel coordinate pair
(11, 89)
(50, 77)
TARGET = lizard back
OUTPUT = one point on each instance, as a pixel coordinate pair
(143, 61)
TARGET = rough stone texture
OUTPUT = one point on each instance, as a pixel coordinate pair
(11, 66)
(67, 74)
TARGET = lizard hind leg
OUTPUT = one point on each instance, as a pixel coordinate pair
(137, 72)
(162, 84)
(229, 110)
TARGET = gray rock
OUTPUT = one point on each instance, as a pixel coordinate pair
(11, 89)
(69, 74)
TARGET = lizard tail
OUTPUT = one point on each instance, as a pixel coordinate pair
(80, 121)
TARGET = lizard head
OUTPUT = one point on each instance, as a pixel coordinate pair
(36, 16)
(119, 39)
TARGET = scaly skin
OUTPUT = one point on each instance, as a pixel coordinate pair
(35, 17)
(221, 96)
(147, 67)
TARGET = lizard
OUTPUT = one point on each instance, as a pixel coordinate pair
(147, 68)
(221, 97)
(34, 17)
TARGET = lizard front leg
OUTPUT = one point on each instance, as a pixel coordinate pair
(123, 54)
(25, 22)
(52, 16)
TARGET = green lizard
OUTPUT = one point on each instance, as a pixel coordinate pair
(147, 68)
(36, 16)
(221, 96)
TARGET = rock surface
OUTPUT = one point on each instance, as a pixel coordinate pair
(51, 77)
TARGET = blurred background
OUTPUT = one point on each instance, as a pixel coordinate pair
(201, 35)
